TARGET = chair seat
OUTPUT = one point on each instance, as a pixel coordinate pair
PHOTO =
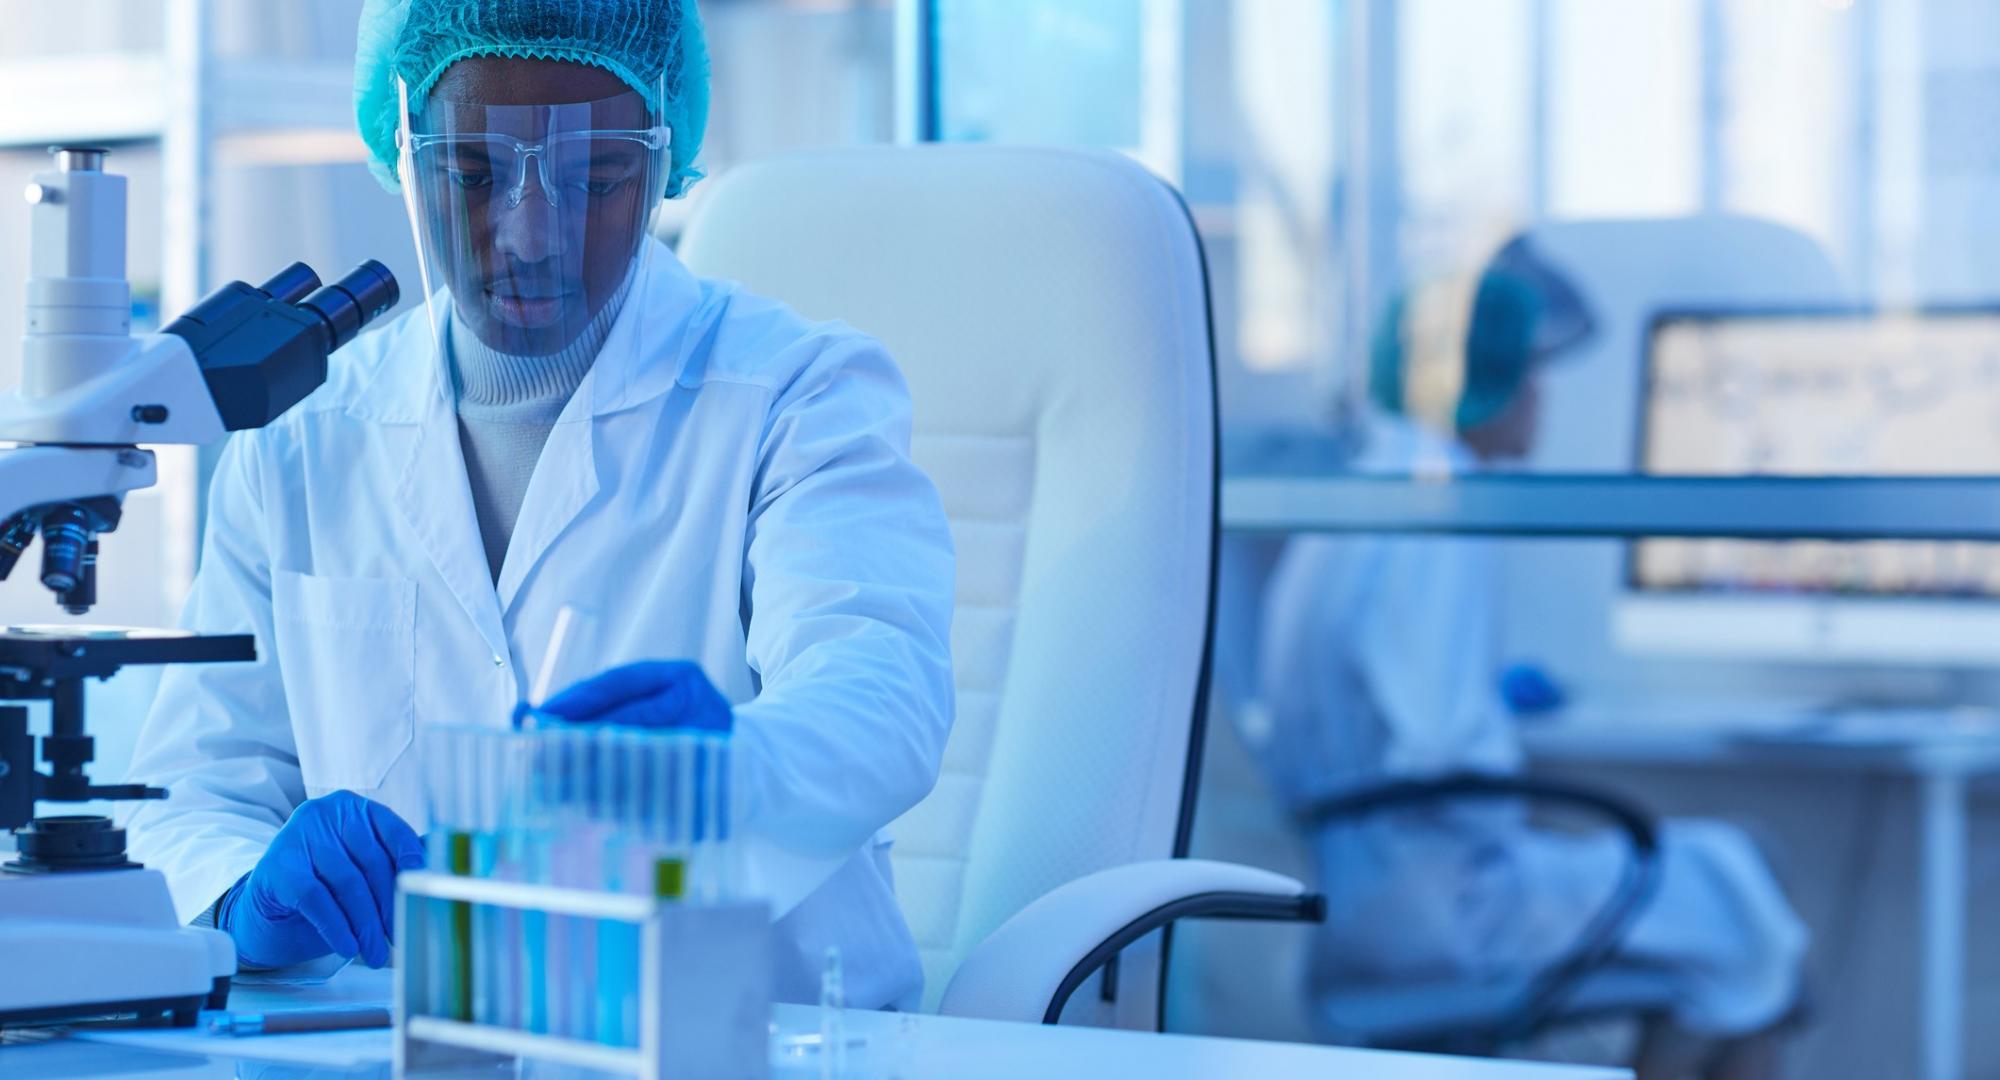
(1417, 1014)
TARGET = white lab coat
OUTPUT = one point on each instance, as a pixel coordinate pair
(734, 488)
(1380, 662)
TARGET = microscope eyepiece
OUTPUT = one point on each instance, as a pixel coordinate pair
(79, 158)
(347, 306)
(262, 350)
(292, 284)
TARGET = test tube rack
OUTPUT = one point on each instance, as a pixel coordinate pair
(704, 990)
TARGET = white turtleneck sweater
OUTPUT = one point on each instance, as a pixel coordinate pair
(506, 407)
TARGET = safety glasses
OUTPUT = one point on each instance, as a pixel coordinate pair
(570, 167)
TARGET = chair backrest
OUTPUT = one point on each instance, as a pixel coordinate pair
(1049, 309)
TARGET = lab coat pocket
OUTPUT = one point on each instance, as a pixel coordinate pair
(347, 650)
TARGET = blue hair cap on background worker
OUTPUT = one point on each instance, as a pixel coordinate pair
(1523, 314)
(1499, 346)
(647, 44)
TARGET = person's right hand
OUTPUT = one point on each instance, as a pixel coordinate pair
(327, 884)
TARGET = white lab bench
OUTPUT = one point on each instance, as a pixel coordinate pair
(896, 1045)
(1939, 758)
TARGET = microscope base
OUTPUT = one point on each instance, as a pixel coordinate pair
(100, 944)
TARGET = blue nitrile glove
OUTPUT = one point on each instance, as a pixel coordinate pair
(1529, 690)
(656, 694)
(327, 884)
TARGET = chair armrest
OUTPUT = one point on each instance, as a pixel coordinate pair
(1027, 969)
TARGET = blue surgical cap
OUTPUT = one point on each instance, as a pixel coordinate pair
(1499, 346)
(646, 43)
(1499, 351)
(1524, 313)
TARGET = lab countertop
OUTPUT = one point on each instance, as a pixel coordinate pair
(891, 1045)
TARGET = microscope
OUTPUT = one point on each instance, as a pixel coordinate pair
(84, 930)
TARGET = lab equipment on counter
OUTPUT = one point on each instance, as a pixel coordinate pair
(830, 1045)
(581, 906)
(84, 930)
(293, 1021)
(833, 1016)
(91, 392)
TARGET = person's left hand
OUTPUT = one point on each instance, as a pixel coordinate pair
(658, 694)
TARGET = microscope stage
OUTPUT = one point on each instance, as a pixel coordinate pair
(70, 652)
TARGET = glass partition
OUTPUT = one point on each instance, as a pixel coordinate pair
(1705, 273)
(1681, 318)
(1524, 228)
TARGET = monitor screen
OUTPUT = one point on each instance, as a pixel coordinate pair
(1828, 393)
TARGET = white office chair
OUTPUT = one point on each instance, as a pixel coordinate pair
(1049, 309)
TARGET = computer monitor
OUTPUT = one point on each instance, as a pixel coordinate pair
(1818, 393)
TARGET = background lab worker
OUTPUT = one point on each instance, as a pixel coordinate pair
(576, 420)
(1381, 662)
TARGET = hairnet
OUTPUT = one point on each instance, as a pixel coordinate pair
(1523, 312)
(645, 43)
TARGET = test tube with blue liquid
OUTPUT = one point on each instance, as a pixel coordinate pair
(567, 942)
(575, 806)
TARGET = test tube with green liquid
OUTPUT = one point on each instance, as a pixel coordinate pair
(458, 971)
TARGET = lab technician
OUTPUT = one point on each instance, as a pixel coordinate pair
(1381, 662)
(574, 420)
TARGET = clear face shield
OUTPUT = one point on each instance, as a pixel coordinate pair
(531, 220)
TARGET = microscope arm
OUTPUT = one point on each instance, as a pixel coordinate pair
(236, 361)
(91, 393)
(78, 443)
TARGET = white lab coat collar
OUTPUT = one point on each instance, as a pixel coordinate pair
(409, 394)
(647, 351)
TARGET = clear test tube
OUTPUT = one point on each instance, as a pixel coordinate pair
(631, 789)
(512, 830)
(687, 830)
(698, 822)
(714, 750)
(448, 934)
(608, 807)
(518, 957)
(571, 656)
(664, 829)
(724, 819)
(489, 779)
(575, 868)
(832, 1016)
(532, 837)
(430, 993)
(557, 743)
